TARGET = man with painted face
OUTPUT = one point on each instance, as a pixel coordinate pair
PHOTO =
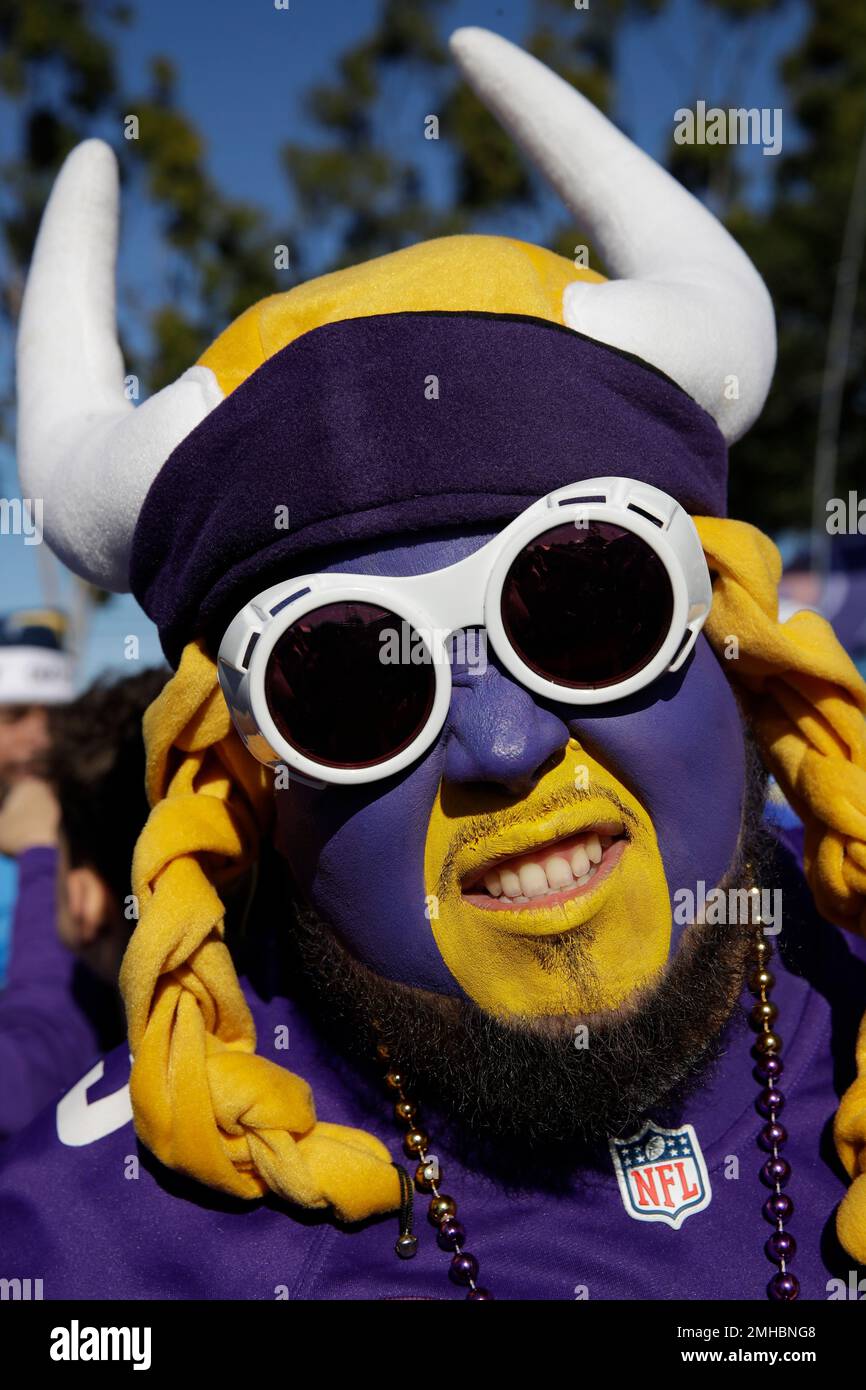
(472, 665)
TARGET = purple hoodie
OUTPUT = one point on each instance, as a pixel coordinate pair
(86, 1209)
(55, 1016)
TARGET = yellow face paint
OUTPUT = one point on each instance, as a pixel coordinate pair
(587, 953)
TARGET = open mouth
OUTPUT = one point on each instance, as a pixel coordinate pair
(555, 872)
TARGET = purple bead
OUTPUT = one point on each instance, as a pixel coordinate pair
(478, 1294)
(769, 1101)
(783, 1288)
(781, 1246)
(769, 1069)
(464, 1268)
(451, 1233)
(778, 1207)
(776, 1170)
(772, 1136)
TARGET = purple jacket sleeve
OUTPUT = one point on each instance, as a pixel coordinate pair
(48, 1035)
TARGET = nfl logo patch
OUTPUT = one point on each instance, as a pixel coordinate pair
(661, 1173)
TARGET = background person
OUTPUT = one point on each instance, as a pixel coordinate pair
(35, 673)
(71, 835)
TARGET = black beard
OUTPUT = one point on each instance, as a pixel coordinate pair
(522, 1080)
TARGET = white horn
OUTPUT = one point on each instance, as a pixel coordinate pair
(686, 298)
(83, 448)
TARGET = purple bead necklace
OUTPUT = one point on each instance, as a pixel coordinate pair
(442, 1211)
(780, 1247)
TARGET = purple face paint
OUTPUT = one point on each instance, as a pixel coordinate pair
(357, 854)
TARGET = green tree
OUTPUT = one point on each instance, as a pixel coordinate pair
(222, 250)
(57, 68)
(366, 182)
(369, 181)
(364, 188)
(796, 242)
(59, 74)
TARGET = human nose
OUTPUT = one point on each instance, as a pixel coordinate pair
(497, 733)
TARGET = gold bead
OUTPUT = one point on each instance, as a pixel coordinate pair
(762, 950)
(395, 1080)
(760, 980)
(763, 1012)
(415, 1141)
(424, 1178)
(441, 1208)
(768, 1044)
(383, 1052)
(406, 1111)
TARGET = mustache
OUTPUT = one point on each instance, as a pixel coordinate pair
(515, 1095)
(487, 824)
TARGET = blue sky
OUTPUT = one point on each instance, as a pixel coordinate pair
(244, 66)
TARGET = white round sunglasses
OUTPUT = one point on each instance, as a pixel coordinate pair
(587, 597)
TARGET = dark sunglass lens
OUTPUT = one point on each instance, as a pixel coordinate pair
(345, 685)
(587, 606)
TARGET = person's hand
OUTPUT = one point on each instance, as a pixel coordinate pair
(29, 816)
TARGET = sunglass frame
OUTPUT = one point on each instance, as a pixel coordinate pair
(464, 595)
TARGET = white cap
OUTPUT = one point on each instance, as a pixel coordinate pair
(35, 676)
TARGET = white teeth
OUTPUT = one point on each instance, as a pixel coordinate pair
(579, 862)
(533, 880)
(558, 872)
(510, 883)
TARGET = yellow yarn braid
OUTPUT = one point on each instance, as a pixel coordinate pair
(204, 1103)
(806, 702)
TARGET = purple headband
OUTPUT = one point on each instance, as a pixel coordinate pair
(340, 428)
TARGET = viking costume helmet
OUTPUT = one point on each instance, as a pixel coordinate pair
(305, 401)
(683, 298)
